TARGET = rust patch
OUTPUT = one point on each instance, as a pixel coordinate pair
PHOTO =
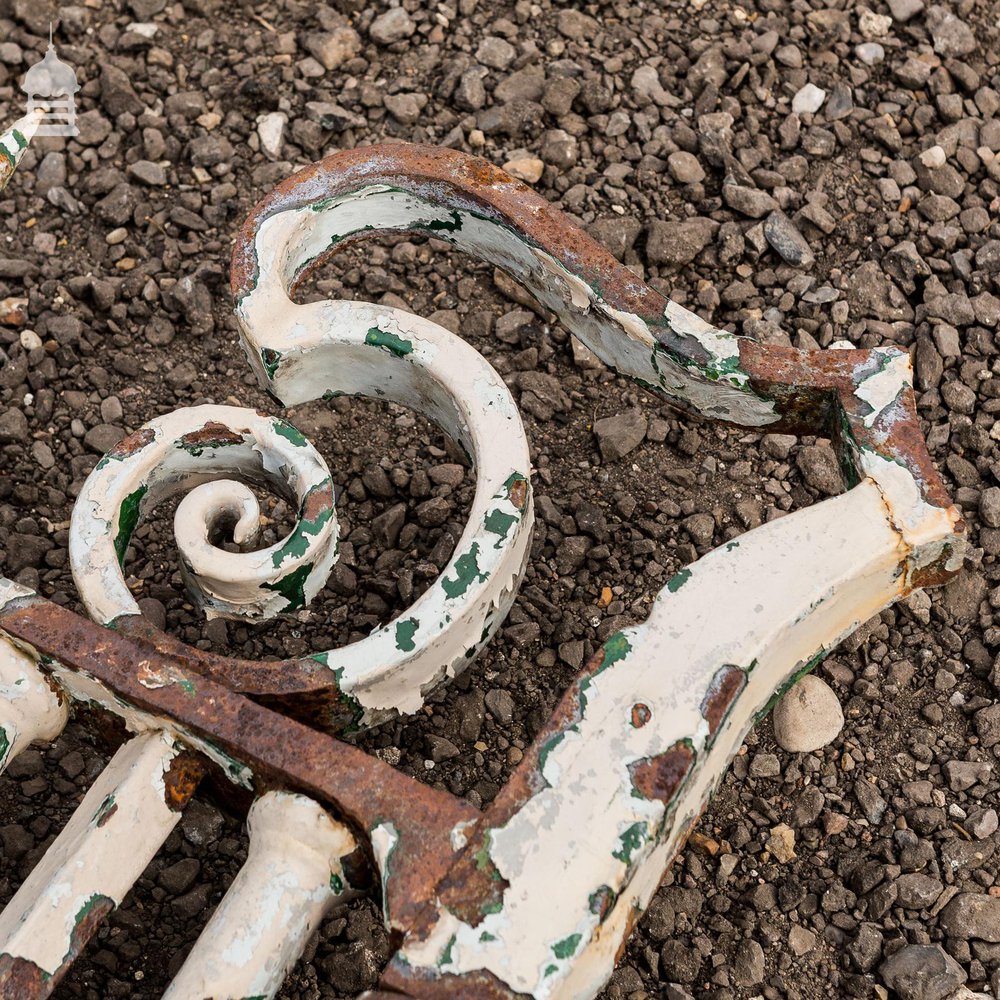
(519, 493)
(813, 389)
(634, 914)
(281, 752)
(23, 980)
(132, 443)
(317, 503)
(480, 985)
(181, 779)
(661, 777)
(212, 435)
(726, 685)
(640, 715)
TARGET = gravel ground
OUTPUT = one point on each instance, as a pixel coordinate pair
(859, 149)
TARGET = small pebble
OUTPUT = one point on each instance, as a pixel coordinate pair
(808, 100)
(809, 717)
(870, 53)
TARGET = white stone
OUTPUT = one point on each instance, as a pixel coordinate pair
(904, 10)
(872, 25)
(271, 130)
(808, 717)
(933, 158)
(808, 100)
(870, 53)
(30, 340)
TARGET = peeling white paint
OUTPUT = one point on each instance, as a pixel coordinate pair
(174, 458)
(29, 707)
(292, 878)
(10, 592)
(881, 389)
(15, 141)
(107, 843)
(825, 570)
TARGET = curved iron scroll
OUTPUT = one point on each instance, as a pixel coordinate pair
(535, 896)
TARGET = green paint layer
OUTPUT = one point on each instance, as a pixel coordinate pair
(128, 518)
(389, 342)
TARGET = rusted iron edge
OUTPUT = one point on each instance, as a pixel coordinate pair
(813, 391)
(258, 746)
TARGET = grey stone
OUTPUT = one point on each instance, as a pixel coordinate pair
(387, 526)
(103, 437)
(148, 173)
(801, 940)
(808, 99)
(334, 48)
(872, 804)
(918, 891)
(988, 725)
(982, 823)
(440, 748)
(748, 201)
(952, 36)
(790, 244)
(820, 468)
(905, 10)
(922, 972)
(392, 26)
(870, 53)
(972, 915)
(559, 148)
(989, 506)
(678, 243)
(495, 52)
(963, 774)
(866, 948)
(871, 292)
(685, 168)
(201, 823)
(500, 705)
(701, 528)
(808, 717)
(764, 765)
(748, 968)
(13, 426)
(620, 434)
(405, 108)
(470, 94)
(117, 95)
(180, 876)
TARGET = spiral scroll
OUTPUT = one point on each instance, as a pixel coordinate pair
(534, 896)
(387, 353)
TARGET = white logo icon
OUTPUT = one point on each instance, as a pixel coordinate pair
(50, 85)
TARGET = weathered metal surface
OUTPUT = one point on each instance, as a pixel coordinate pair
(114, 833)
(535, 896)
(292, 878)
(30, 708)
(14, 142)
(256, 747)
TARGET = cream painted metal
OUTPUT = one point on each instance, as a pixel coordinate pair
(791, 590)
(14, 142)
(292, 879)
(114, 833)
(30, 708)
(546, 882)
